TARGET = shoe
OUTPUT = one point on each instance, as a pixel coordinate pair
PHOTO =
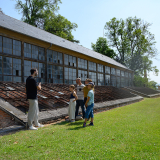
(39, 125)
(72, 120)
(67, 120)
(91, 124)
(33, 128)
(84, 124)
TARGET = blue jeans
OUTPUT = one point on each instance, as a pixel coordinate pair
(89, 111)
(80, 103)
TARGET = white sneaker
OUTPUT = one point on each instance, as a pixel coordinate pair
(39, 125)
(33, 128)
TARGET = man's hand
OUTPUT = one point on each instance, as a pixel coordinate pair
(39, 86)
(86, 105)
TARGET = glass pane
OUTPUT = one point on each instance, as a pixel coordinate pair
(49, 56)
(0, 43)
(100, 68)
(16, 67)
(113, 71)
(16, 47)
(7, 45)
(7, 66)
(118, 72)
(8, 78)
(113, 81)
(41, 54)
(0, 65)
(27, 50)
(100, 79)
(107, 80)
(17, 79)
(66, 59)
(34, 52)
(27, 68)
(107, 69)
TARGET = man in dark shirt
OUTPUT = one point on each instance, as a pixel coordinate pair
(31, 91)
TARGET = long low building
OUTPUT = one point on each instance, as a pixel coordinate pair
(58, 60)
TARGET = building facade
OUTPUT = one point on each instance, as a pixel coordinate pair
(23, 47)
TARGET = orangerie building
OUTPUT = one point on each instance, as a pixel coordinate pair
(23, 47)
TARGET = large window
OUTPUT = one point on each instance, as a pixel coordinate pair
(82, 63)
(126, 74)
(70, 60)
(107, 80)
(0, 43)
(100, 79)
(27, 50)
(92, 66)
(118, 72)
(118, 82)
(7, 66)
(16, 48)
(41, 54)
(122, 73)
(7, 45)
(113, 81)
(113, 71)
(35, 52)
(130, 82)
(54, 57)
(92, 75)
(57, 57)
(107, 70)
(54, 74)
(11, 69)
(16, 70)
(130, 75)
(123, 82)
(70, 76)
(40, 67)
(100, 68)
(83, 75)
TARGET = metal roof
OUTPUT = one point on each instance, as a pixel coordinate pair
(31, 31)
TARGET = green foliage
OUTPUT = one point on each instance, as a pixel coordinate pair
(41, 13)
(33, 10)
(133, 42)
(140, 81)
(102, 47)
(60, 26)
(124, 133)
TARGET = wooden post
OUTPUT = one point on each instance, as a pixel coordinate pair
(45, 51)
(22, 61)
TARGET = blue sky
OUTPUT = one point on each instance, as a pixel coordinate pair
(91, 16)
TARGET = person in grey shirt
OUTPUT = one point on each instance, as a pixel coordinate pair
(80, 94)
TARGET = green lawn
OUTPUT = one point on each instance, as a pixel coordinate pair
(129, 132)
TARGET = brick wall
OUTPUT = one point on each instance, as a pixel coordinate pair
(5, 120)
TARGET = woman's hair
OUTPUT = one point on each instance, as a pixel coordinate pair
(72, 86)
(92, 86)
(89, 80)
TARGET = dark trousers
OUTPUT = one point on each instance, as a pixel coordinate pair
(85, 99)
(80, 103)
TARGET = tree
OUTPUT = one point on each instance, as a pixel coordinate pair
(33, 10)
(1, 11)
(41, 13)
(131, 38)
(133, 42)
(102, 47)
(60, 26)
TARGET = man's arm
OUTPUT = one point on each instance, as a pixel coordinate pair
(88, 98)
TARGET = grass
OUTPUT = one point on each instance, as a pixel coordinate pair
(125, 133)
